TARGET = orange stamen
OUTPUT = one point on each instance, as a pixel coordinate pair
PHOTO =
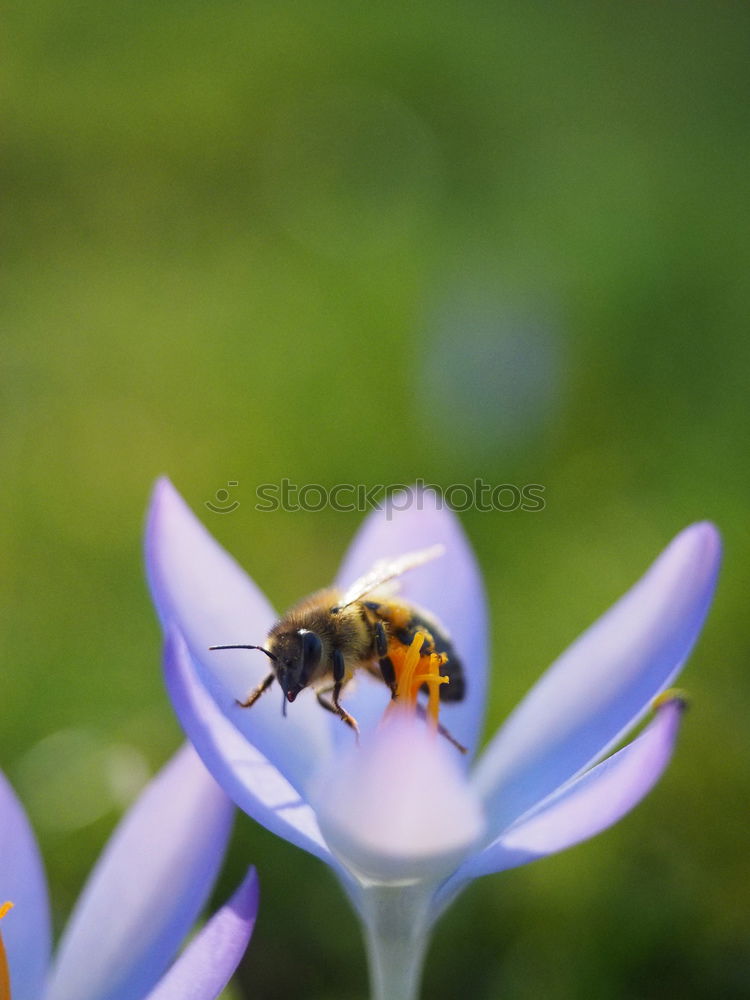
(4, 973)
(413, 670)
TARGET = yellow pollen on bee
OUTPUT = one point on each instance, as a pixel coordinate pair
(412, 670)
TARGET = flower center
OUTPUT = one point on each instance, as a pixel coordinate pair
(413, 671)
(4, 974)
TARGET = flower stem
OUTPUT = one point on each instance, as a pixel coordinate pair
(396, 927)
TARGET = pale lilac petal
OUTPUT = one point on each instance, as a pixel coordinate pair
(242, 771)
(200, 588)
(209, 961)
(450, 588)
(147, 888)
(26, 928)
(399, 807)
(587, 805)
(604, 682)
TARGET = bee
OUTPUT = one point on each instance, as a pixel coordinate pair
(323, 641)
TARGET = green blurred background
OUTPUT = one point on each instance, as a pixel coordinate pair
(340, 242)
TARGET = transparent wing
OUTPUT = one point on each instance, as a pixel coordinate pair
(386, 570)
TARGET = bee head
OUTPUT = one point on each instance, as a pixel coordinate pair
(297, 655)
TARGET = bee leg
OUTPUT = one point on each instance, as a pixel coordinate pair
(422, 712)
(451, 739)
(338, 710)
(324, 703)
(339, 673)
(343, 714)
(387, 670)
(254, 695)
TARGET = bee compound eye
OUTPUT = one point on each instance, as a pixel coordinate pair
(312, 650)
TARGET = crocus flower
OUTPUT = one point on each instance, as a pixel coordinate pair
(403, 819)
(141, 899)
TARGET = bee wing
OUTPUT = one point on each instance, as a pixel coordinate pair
(386, 570)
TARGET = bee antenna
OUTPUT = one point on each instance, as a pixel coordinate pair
(268, 652)
(283, 704)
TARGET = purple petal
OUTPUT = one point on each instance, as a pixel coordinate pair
(399, 807)
(588, 805)
(200, 588)
(242, 771)
(26, 928)
(604, 682)
(450, 588)
(209, 961)
(147, 888)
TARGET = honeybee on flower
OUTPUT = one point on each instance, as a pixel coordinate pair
(326, 638)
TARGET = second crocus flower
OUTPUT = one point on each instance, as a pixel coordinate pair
(140, 902)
